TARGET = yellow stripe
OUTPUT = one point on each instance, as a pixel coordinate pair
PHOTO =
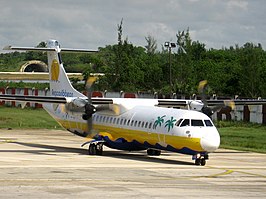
(141, 136)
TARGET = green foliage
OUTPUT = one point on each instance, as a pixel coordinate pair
(238, 70)
(4, 84)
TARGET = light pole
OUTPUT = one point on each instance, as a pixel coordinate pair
(170, 45)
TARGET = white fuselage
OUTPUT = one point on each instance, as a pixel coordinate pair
(133, 124)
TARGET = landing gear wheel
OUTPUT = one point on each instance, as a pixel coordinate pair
(197, 162)
(99, 149)
(96, 149)
(202, 162)
(92, 149)
(153, 152)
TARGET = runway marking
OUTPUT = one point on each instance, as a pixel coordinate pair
(226, 172)
(3, 141)
(229, 171)
(253, 174)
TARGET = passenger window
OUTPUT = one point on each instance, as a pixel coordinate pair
(208, 123)
(185, 122)
(178, 122)
(117, 120)
(146, 125)
(197, 123)
(136, 122)
(150, 125)
(139, 124)
(128, 122)
(111, 120)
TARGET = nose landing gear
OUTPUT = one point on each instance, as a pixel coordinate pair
(95, 149)
(200, 159)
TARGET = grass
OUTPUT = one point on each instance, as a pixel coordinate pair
(234, 135)
(15, 118)
(244, 138)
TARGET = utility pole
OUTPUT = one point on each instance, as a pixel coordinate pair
(169, 46)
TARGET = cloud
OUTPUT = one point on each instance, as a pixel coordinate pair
(93, 24)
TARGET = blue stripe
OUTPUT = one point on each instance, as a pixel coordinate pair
(122, 144)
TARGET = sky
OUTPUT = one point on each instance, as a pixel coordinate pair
(93, 23)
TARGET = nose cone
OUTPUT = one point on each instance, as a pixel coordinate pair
(210, 141)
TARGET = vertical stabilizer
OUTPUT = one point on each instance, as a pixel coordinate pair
(59, 82)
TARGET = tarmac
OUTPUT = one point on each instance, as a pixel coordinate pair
(52, 164)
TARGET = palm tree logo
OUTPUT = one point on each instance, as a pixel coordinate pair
(170, 123)
(159, 121)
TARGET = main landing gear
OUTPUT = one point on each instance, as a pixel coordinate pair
(95, 149)
(153, 152)
(200, 159)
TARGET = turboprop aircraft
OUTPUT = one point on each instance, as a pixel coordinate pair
(124, 124)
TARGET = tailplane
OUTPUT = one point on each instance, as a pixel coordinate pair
(60, 85)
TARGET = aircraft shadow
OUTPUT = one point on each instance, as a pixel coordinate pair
(143, 157)
(136, 156)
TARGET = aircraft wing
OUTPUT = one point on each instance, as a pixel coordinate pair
(237, 102)
(50, 99)
(172, 102)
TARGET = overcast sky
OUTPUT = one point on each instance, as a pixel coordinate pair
(93, 23)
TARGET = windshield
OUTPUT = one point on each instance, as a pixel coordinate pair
(208, 123)
(197, 123)
(185, 123)
(194, 122)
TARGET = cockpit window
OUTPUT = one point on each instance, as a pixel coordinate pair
(178, 122)
(185, 122)
(197, 123)
(208, 123)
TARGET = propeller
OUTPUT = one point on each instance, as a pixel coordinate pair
(89, 108)
(209, 111)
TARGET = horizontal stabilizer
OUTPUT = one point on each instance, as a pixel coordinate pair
(28, 48)
(70, 50)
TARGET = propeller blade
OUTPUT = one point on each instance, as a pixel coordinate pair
(230, 103)
(202, 90)
(202, 85)
(89, 108)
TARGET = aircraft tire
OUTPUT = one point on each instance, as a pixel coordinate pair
(92, 149)
(202, 162)
(153, 152)
(99, 149)
(197, 162)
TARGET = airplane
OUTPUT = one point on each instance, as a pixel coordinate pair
(125, 124)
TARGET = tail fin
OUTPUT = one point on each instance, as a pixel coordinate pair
(59, 82)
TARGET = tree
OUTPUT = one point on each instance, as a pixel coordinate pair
(151, 46)
(251, 61)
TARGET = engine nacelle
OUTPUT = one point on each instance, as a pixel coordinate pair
(195, 105)
(76, 105)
